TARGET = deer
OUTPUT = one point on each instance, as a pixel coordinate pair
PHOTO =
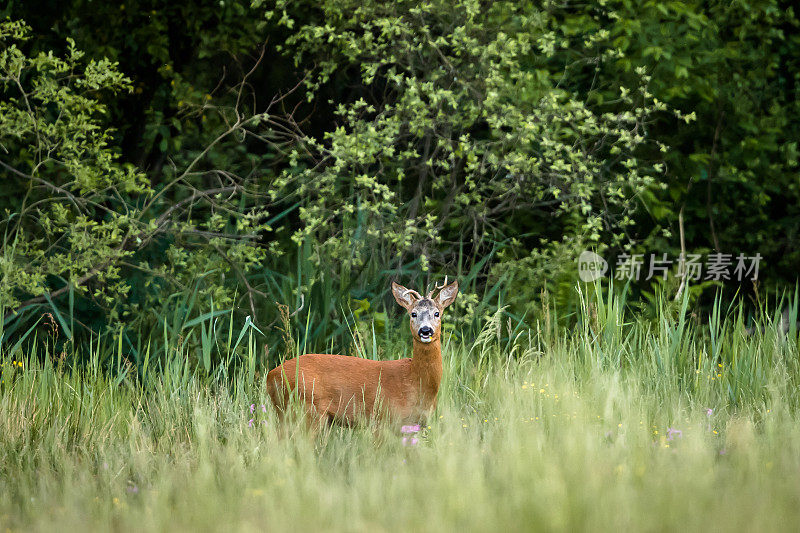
(341, 389)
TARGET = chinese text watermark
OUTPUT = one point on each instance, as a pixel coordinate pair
(693, 267)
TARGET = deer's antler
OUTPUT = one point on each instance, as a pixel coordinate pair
(413, 293)
(436, 287)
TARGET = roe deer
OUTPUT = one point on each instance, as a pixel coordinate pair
(339, 388)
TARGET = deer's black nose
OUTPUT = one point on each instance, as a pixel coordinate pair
(425, 331)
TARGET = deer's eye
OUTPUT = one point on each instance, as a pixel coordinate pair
(436, 314)
(413, 315)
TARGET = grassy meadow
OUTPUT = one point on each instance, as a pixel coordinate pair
(617, 423)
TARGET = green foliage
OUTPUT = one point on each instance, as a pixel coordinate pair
(78, 221)
(733, 171)
(72, 222)
(490, 141)
(474, 130)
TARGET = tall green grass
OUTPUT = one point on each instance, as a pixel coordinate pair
(619, 422)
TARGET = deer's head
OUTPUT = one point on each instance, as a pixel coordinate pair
(425, 312)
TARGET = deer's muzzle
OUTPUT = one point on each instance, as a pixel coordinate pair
(425, 334)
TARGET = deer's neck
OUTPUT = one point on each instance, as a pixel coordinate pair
(426, 368)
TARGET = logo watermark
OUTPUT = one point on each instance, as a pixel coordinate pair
(694, 267)
(591, 266)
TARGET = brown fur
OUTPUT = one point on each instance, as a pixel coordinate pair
(339, 388)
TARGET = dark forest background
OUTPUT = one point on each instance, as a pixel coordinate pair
(168, 163)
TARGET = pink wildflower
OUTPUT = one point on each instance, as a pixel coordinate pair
(410, 429)
(672, 433)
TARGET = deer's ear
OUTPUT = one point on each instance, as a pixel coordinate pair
(402, 295)
(447, 295)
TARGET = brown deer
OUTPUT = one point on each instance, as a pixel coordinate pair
(344, 389)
